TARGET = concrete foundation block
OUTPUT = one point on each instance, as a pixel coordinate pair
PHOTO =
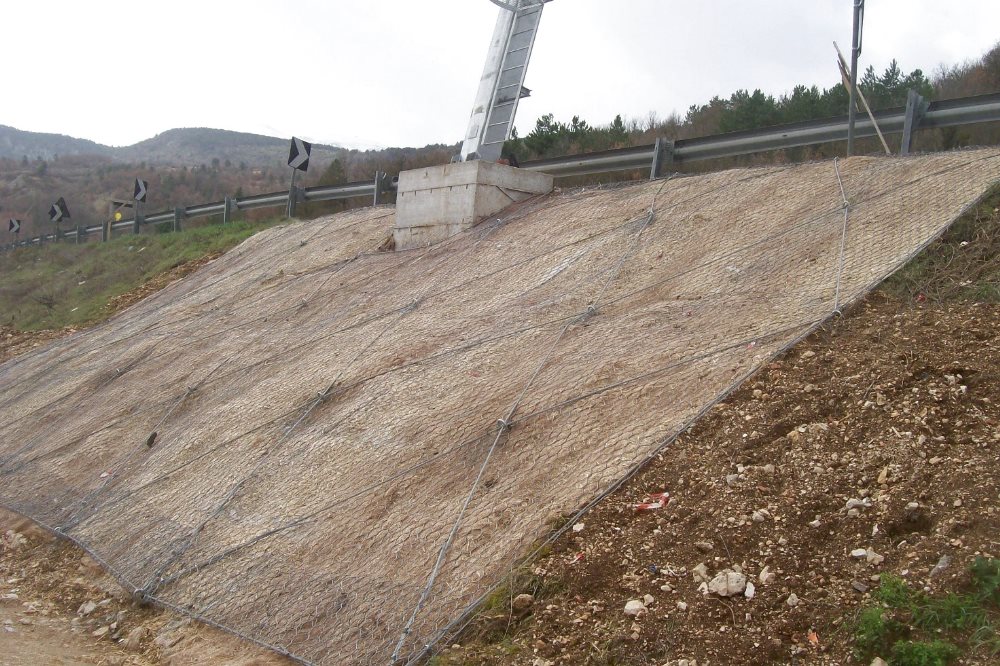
(435, 203)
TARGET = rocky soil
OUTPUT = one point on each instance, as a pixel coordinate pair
(871, 448)
(57, 606)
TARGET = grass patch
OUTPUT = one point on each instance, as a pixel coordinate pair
(916, 653)
(963, 265)
(65, 284)
(917, 629)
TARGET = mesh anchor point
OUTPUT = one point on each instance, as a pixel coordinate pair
(503, 425)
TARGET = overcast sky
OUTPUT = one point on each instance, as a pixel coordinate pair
(368, 73)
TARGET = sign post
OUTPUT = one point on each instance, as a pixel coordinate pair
(14, 227)
(139, 194)
(57, 213)
(298, 160)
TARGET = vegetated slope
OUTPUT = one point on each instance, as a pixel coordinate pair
(285, 443)
(858, 472)
(68, 285)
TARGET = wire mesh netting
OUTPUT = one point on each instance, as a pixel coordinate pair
(335, 451)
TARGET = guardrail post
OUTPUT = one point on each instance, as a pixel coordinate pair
(80, 233)
(227, 211)
(178, 216)
(59, 234)
(293, 198)
(663, 157)
(379, 185)
(915, 107)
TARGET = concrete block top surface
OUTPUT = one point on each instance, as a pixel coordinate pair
(477, 172)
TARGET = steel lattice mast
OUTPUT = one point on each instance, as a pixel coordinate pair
(502, 83)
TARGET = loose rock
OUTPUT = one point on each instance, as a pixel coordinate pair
(522, 604)
(634, 607)
(728, 583)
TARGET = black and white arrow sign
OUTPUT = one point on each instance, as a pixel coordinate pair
(139, 193)
(298, 154)
(14, 226)
(59, 211)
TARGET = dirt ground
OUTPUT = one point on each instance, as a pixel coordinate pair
(57, 606)
(878, 433)
(892, 411)
(892, 406)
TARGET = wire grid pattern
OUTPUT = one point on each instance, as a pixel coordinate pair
(354, 446)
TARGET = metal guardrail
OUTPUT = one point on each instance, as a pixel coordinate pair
(657, 157)
(225, 207)
(947, 113)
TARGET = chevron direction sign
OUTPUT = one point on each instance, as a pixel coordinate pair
(139, 192)
(14, 226)
(59, 211)
(298, 154)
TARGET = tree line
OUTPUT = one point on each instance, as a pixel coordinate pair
(745, 110)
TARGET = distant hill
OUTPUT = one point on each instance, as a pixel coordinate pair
(200, 145)
(178, 147)
(15, 144)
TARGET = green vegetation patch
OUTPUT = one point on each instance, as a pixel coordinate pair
(963, 265)
(912, 628)
(66, 284)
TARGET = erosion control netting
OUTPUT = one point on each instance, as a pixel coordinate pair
(353, 445)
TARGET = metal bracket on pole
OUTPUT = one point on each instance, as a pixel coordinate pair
(916, 106)
(178, 216)
(227, 210)
(663, 157)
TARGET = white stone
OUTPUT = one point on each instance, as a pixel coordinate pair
(728, 583)
(634, 607)
(749, 591)
(792, 600)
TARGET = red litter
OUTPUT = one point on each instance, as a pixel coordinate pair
(657, 501)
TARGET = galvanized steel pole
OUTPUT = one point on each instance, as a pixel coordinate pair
(859, 11)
